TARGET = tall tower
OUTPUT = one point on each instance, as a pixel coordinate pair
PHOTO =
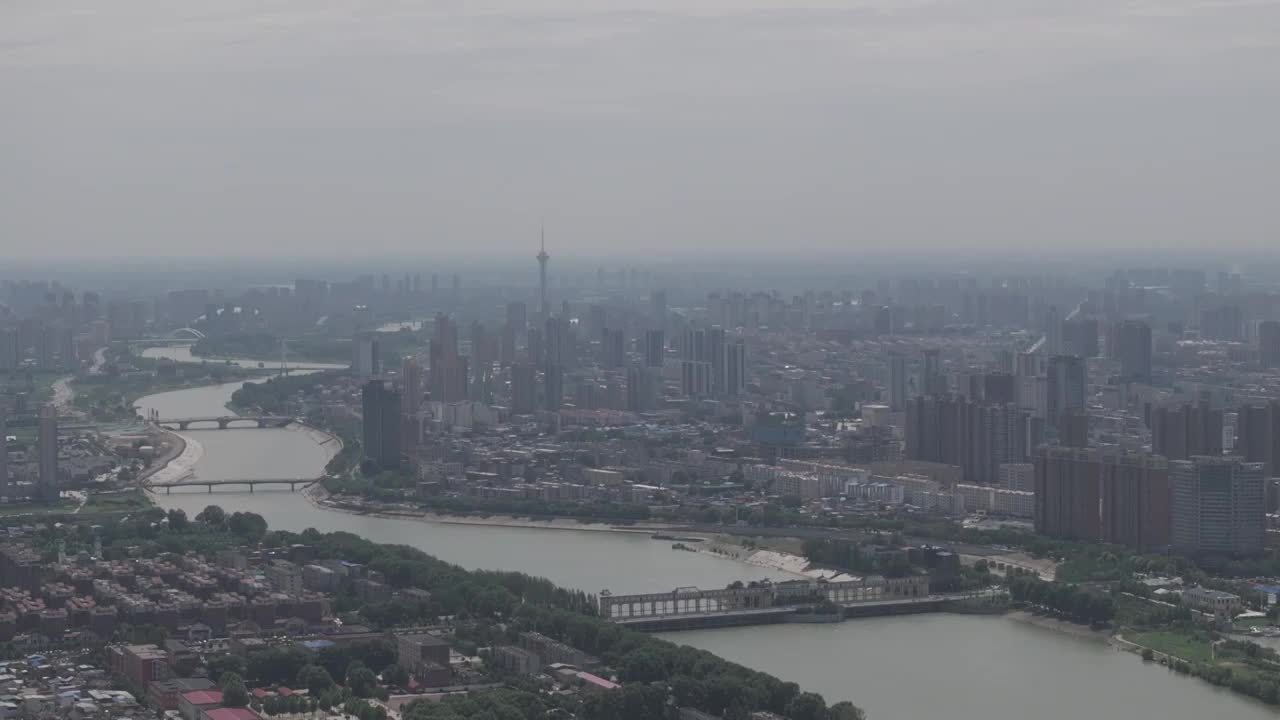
(543, 257)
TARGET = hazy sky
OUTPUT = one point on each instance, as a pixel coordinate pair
(924, 127)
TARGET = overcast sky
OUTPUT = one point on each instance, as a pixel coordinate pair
(922, 127)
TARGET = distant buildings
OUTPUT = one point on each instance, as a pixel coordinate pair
(1133, 350)
(1269, 343)
(1218, 506)
(1258, 436)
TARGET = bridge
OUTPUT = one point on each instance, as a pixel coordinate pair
(252, 483)
(224, 421)
(756, 597)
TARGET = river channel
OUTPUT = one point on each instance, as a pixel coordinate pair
(955, 666)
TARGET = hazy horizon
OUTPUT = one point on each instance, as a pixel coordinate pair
(876, 128)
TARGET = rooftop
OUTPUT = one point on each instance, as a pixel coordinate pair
(203, 697)
(231, 714)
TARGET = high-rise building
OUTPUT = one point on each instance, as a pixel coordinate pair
(613, 348)
(411, 378)
(1080, 336)
(978, 437)
(381, 408)
(1258, 436)
(1219, 506)
(715, 342)
(1135, 499)
(47, 348)
(553, 387)
(1064, 386)
(366, 361)
(654, 349)
(642, 388)
(695, 378)
(1225, 322)
(1184, 431)
(1068, 493)
(1052, 331)
(1102, 496)
(694, 346)
(507, 346)
(658, 309)
(10, 351)
(47, 436)
(517, 317)
(997, 388)
(1133, 350)
(4, 455)
(68, 358)
(556, 341)
(1018, 476)
(447, 374)
(735, 368)
(524, 388)
(932, 381)
(897, 382)
(1269, 343)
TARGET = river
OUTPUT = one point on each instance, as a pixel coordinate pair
(956, 666)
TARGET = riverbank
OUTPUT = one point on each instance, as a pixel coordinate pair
(1065, 627)
(177, 464)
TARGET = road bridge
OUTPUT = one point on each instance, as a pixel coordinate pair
(293, 483)
(225, 421)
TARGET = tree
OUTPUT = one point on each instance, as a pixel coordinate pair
(213, 516)
(845, 711)
(360, 680)
(248, 525)
(643, 666)
(315, 679)
(230, 663)
(395, 675)
(234, 692)
(177, 520)
(807, 706)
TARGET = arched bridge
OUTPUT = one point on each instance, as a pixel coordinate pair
(186, 333)
(293, 483)
(225, 421)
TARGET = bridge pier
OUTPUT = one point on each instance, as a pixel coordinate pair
(223, 423)
(168, 491)
(210, 486)
(183, 426)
